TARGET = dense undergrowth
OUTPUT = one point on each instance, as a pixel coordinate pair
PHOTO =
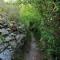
(42, 17)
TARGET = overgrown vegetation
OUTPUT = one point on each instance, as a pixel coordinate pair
(45, 17)
(42, 17)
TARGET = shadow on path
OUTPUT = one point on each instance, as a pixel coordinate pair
(33, 53)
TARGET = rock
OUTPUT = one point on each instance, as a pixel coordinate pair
(1, 26)
(9, 47)
(1, 41)
(12, 34)
(4, 31)
(6, 55)
(5, 25)
(13, 44)
(2, 46)
(0, 30)
(13, 26)
(19, 38)
(1, 22)
(21, 29)
(12, 38)
(8, 29)
(8, 38)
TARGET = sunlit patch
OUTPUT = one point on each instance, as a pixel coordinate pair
(10, 1)
(5, 0)
(21, 0)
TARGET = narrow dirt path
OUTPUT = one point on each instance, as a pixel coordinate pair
(33, 52)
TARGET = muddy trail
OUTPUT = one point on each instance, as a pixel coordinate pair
(33, 53)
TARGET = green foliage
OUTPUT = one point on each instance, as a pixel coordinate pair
(3, 10)
(1, 39)
(28, 13)
(45, 15)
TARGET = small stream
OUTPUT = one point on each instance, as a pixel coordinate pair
(33, 52)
